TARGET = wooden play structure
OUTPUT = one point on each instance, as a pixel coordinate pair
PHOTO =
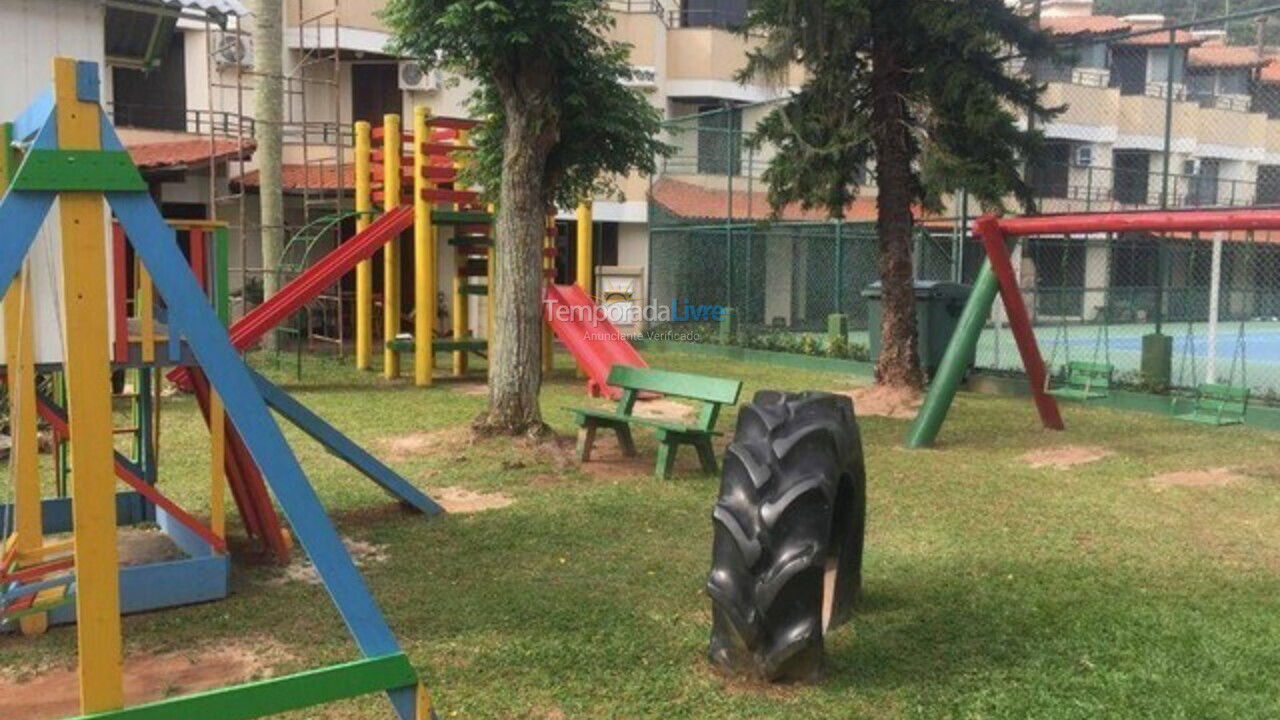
(67, 280)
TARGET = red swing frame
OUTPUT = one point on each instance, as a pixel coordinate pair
(997, 233)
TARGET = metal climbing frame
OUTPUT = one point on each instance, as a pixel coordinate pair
(997, 276)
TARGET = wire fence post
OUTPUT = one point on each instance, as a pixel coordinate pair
(839, 265)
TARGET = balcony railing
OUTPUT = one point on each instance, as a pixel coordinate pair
(1098, 189)
(223, 123)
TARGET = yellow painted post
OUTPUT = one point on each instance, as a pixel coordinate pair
(392, 151)
(364, 270)
(424, 259)
(217, 465)
(19, 336)
(461, 311)
(88, 377)
(585, 248)
(489, 265)
(145, 301)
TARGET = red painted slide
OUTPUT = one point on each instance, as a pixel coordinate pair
(592, 340)
(313, 281)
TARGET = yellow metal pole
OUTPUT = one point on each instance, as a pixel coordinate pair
(585, 248)
(364, 270)
(392, 150)
(424, 259)
(88, 377)
(461, 319)
(217, 463)
(489, 266)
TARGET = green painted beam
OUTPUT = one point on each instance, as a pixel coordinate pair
(277, 695)
(460, 217)
(79, 170)
(955, 361)
(407, 345)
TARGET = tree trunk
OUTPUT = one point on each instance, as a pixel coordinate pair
(899, 361)
(268, 109)
(515, 350)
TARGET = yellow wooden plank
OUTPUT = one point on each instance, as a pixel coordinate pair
(364, 270)
(392, 149)
(217, 465)
(424, 259)
(145, 302)
(46, 551)
(88, 377)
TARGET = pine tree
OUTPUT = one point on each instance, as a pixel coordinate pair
(919, 89)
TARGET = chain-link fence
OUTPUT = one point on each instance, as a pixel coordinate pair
(1154, 116)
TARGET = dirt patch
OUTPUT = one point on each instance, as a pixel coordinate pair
(144, 547)
(363, 554)
(609, 464)
(470, 388)
(422, 444)
(884, 401)
(663, 409)
(461, 500)
(1210, 477)
(1065, 456)
(147, 678)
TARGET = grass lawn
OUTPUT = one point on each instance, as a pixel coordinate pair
(992, 589)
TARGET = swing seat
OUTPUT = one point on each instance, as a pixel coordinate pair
(1217, 404)
(1085, 381)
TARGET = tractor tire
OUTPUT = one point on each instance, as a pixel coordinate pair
(788, 526)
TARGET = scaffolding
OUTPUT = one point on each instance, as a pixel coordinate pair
(312, 77)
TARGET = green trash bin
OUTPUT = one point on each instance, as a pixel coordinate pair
(938, 308)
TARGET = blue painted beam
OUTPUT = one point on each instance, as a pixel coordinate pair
(342, 446)
(144, 588)
(37, 114)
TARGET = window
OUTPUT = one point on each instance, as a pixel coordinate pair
(1132, 177)
(1050, 173)
(155, 99)
(727, 14)
(1129, 69)
(1201, 182)
(719, 140)
(1268, 185)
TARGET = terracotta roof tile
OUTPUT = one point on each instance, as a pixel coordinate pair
(192, 152)
(299, 177)
(691, 201)
(1160, 38)
(1084, 25)
(1226, 56)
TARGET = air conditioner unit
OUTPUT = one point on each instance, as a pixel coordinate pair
(1084, 155)
(231, 48)
(415, 77)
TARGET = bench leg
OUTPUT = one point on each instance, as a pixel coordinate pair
(586, 438)
(707, 455)
(666, 459)
(625, 440)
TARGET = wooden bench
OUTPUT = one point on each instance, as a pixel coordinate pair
(1217, 404)
(713, 393)
(1085, 381)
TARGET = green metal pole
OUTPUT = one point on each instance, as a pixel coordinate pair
(924, 430)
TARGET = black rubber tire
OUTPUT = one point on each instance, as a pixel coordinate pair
(792, 507)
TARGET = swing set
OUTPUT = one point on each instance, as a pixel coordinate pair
(1213, 402)
(1080, 380)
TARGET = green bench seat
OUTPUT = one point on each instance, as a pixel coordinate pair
(1217, 404)
(713, 393)
(1085, 381)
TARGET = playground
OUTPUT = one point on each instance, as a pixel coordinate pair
(993, 588)
(193, 528)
